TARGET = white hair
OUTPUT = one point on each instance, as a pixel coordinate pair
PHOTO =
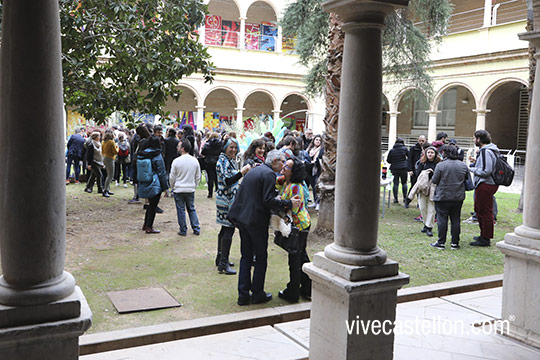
(273, 155)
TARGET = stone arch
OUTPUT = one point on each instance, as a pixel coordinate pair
(440, 93)
(491, 89)
(258, 102)
(270, 95)
(413, 118)
(221, 100)
(226, 88)
(209, 3)
(294, 111)
(386, 108)
(273, 5)
(507, 119)
(304, 97)
(188, 101)
(395, 102)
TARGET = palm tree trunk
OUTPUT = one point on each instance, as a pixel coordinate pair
(325, 221)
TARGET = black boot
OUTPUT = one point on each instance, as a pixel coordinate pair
(424, 229)
(429, 232)
(224, 267)
(218, 257)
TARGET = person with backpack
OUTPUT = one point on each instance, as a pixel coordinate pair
(123, 159)
(485, 187)
(152, 179)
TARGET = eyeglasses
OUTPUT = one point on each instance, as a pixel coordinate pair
(287, 167)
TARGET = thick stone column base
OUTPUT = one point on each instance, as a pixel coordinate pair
(51, 335)
(520, 285)
(347, 298)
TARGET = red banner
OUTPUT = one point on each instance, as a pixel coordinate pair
(212, 31)
(230, 33)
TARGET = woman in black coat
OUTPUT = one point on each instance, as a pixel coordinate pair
(397, 158)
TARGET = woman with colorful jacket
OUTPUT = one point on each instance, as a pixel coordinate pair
(290, 186)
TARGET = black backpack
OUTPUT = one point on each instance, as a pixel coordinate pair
(502, 173)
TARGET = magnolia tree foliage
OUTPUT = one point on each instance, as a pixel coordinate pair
(128, 55)
(406, 40)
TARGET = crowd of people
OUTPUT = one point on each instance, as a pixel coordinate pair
(268, 178)
(439, 179)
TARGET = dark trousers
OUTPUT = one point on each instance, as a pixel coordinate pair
(299, 282)
(120, 168)
(75, 160)
(413, 181)
(96, 176)
(483, 206)
(400, 175)
(253, 241)
(224, 242)
(150, 214)
(444, 210)
(314, 181)
(212, 178)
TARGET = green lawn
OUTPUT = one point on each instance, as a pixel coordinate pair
(107, 251)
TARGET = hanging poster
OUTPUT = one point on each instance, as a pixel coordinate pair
(211, 120)
(289, 45)
(212, 32)
(249, 124)
(300, 124)
(186, 117)
(230, 31)
(253, 32)
(268, 36)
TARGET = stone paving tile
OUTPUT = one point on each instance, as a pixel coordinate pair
(488, 302)
(262, 343)
(298, 331)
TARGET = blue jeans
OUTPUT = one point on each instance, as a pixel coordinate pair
(73, 159)
(183, 201)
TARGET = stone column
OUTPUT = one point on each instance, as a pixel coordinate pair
(240, 117)
(40, 307)
(353, 280)
(242, 40)
(392, 128)
(481, 118)
(276, 114)
(279, 39)
(202, 33)
(432, 125)
(200, 117)
(522, 247)
(487, 12)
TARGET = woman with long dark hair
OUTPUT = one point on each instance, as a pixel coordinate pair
(290, 185)
(315, 151)
(255, 154)
(211, 151)
(428, 160)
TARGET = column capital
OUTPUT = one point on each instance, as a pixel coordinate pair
(369, 13)
(481, 111)
(394, 113)
(532, 36)
(239, 109)
(433, 112)
(200, 107)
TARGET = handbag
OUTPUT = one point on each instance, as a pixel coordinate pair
(289, 243)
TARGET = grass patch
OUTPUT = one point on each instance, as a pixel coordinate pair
(107, 251)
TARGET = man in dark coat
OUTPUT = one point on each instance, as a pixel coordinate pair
(250, 212)
(75, 148)
(171, 145)
(397, 158)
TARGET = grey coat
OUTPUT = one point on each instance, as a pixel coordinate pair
(483, 167)
(450, 177)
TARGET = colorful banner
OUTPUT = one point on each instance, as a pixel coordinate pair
(212, 32)
(186, 117)
(268, 36)
(249, 124)
(288, 45)
(253, 32)
(211, 120)
(230, 33)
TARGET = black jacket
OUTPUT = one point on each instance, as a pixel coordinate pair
(397, 157)
(211, 151)
(420, 166)
(256, 198)
(171, 151)
(75, 145)
(415, 152)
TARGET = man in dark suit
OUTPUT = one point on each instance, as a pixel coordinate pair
(250, 212)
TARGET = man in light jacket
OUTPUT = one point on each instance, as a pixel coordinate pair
(485, 187)
(184, 178)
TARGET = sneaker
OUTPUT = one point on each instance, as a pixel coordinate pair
(436, 245)
(311, 206)
(67, 182)
(134, 201)
(454, 246)
(480, 241)
(424, 229)
(159, 210)
(471, 220)
(429, 232)
(117, 184)
(88, 190)
(125, 185)
(406, 203)
(182, 233)
(418, 218)
(317, 207)
(197, 232)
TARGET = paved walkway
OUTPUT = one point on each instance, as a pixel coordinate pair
(455, 327)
